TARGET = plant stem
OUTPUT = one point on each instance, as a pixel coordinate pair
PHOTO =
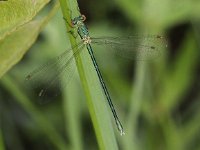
(92, 88)
(2, 147)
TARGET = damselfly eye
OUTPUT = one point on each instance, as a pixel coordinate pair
(83, 17)
(73, 23)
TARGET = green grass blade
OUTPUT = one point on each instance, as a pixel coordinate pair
(95, 98)
(44, 125)
(72, 111)
(2, 147)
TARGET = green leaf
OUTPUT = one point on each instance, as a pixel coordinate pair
(14, 14)
(14, 45)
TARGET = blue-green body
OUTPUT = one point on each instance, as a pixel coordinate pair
(84, 35)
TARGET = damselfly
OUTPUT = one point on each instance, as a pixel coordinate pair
(138, 47)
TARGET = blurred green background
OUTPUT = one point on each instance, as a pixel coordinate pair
(158, 101)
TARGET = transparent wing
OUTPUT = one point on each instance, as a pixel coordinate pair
(138, 47)
(45, 80)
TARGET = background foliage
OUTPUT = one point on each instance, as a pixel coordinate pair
(157, 101)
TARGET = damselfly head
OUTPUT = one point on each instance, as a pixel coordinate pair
(78, 20)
